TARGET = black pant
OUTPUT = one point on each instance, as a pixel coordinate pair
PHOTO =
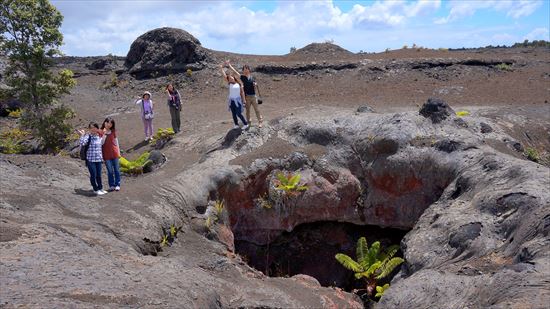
(236, 112)
(175, 114)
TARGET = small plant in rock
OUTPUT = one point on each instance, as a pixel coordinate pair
(137, 166)
(462, 113)
(174, 230)
(16, 113)
(504, 67)
(289, 183)
(11, 141)
(381, 289)
(372, 263)
(189, 72)
(219, 208)
(163, 135)
(164, 241)
(532, 154)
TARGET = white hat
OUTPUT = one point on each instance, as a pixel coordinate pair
(147, 92)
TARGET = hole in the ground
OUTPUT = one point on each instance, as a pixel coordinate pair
(310, 249)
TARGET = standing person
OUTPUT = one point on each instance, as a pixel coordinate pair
(236, 99)
(250, 87)
(94, 156)
(174, 103)
(147, 114)
(111, 153)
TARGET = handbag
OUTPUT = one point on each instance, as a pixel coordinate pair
(84, 149)
(149, 116)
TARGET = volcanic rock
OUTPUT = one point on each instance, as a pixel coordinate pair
(164, 51)
(436, 109)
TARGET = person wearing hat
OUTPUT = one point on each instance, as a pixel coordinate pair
(147, 114)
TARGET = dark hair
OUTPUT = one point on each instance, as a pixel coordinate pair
(173, 88)
(111, 120)
(93, 124)
(245, 67)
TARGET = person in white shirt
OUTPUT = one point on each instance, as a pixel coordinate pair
(236, 99)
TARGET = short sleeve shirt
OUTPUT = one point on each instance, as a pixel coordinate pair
(248, 83)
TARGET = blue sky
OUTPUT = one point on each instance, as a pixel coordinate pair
(272, 27)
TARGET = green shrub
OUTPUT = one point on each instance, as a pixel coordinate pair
(532, 154)
(290, 184)
(504, 67)
(16, 113)
(462, 113)
(189, 72)
(162, 134)
(11, 141)
(137, 166)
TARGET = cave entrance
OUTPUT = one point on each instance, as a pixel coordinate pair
(310, 249)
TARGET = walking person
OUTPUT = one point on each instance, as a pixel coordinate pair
(250, 87)
(111, 153)
(236, 99)
(174, 103)
(94, 156)
(147, 114)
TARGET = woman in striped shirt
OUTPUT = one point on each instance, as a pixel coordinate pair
(94, 156)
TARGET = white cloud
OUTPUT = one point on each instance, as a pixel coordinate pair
(537, 34)
(513, 8)
(102, 27)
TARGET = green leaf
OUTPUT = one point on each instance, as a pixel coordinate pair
(389, 266)
(281, 177)
(373, 252)
(348, 262)
(361, 251)
(294, 180)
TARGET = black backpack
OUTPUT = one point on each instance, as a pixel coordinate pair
(84, 149)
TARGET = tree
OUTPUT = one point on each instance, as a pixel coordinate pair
(372, 264)
(30, 39)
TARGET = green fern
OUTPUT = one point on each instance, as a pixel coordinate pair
(290, 184)
(388, 267)
(372, 263)
(349, 263)
(164, 241)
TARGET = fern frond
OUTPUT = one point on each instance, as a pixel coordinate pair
(361, 251)
(373, 252)
(391, 251)
(281, 177)
(389, 266)
(373, 268)
(294, 180)
(348, 263)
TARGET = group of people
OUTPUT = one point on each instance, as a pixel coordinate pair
(102, 142)
(103, 146)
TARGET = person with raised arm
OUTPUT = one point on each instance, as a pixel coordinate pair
(250, 86)
(236, 98)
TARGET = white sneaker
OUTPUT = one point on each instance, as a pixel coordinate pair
(236, 126)
(111, 188)
(104, 192)
(246, 127)
(117, 188)
(100, 192)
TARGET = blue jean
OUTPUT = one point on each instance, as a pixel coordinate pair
(95, 175)
(236, 111)
(113, 172)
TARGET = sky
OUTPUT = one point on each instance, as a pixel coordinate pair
(93, 28)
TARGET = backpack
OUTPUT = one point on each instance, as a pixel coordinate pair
(84, 149)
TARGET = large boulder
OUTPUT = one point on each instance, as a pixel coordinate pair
(164, 51)
(436, 109)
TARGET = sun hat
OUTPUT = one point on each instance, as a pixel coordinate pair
(147, 92)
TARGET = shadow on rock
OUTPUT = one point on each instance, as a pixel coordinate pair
(88, 193)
